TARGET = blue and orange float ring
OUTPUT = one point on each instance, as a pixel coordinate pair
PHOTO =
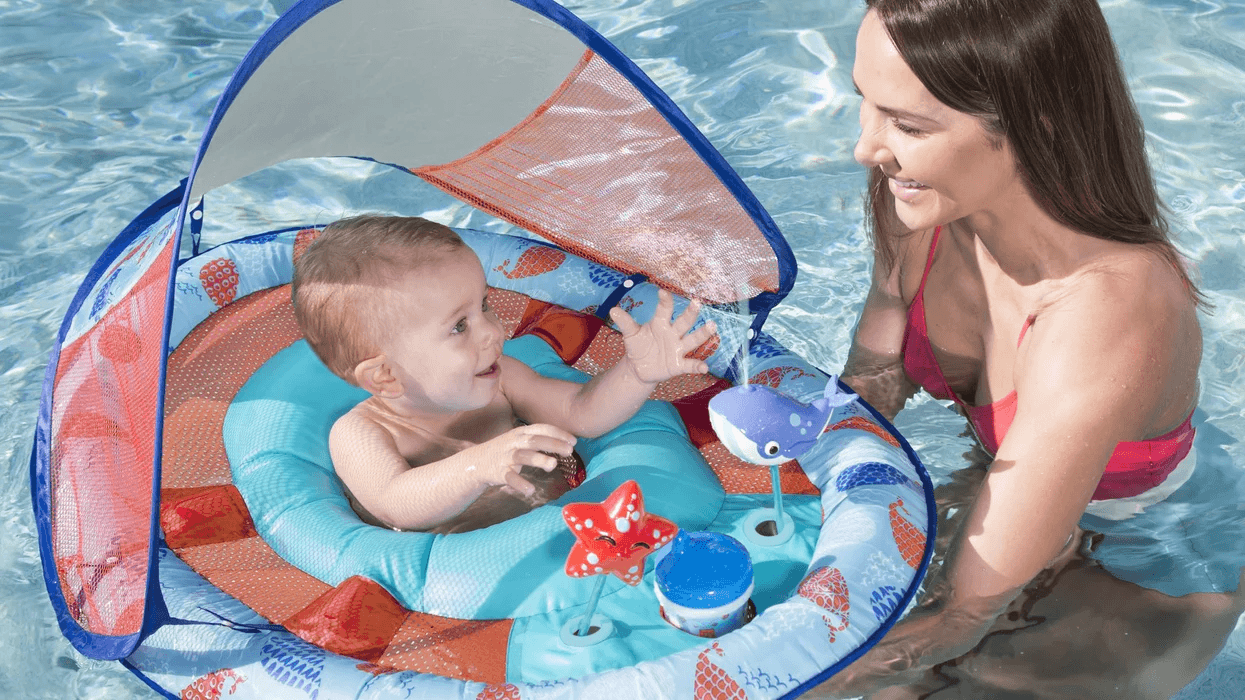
(466, 615)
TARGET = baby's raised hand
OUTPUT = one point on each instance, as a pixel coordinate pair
(497, 462)
(658, 349)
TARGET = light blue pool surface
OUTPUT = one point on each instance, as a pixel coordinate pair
(102, 104)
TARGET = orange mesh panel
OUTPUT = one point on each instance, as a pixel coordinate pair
(206, 515)
(509, 307)
(597, 170)
(356, 618)
(694, 410)
(738, 476)
(683, 385)
(103, 445)
(251, 572)
(468, 649)
(568, 332)
(603, 352)
(205, 373)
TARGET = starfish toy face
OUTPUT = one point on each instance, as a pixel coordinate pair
(615, 535)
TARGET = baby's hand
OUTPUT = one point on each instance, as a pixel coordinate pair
(501, 458)
(658, 349)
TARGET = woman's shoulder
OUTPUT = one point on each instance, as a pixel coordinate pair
(1124, 321)
(1126, 281)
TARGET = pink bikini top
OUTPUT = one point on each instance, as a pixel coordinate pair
(1134, 467)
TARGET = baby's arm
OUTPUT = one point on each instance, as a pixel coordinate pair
(656, 352)
(368, 462)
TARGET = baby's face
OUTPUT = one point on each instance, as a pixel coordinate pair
(445, 351)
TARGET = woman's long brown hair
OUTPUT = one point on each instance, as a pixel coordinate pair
(1043, 74)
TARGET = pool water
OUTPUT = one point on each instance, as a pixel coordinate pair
(101, 105)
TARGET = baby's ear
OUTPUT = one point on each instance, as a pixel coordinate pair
(374, 376)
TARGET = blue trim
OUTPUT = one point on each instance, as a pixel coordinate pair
(91, 644)
(931, 511)
(677, 119)
(150, 683)
(603, 311)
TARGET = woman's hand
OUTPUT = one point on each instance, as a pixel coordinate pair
(658, 350)
(928, 636)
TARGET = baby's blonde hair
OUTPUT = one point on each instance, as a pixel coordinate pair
(342, 283)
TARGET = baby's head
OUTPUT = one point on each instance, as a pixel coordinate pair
(347, 284)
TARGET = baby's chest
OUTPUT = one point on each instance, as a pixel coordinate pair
(469, 429)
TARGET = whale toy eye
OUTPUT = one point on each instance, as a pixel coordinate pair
(771, 448)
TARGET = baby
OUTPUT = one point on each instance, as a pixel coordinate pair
(455, 435)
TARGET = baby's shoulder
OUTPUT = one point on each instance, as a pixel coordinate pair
(360, 426)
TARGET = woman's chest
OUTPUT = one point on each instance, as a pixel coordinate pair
(973, 324)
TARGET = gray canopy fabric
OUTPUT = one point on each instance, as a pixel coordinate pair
(415, 82)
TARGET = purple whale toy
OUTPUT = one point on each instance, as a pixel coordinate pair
(763, 426)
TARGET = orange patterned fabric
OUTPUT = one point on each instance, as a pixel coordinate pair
(694, 410)
(909, 539)
(568, 332)
(207, 515)
(509, 306)
(859, 423)
(356, 618)
(251, 572)
(712, 682)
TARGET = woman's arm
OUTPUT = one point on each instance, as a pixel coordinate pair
(874, 367)
(1093, 372)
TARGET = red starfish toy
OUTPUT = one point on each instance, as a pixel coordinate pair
(615, 535)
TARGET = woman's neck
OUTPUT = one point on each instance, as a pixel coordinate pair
(1020, 239)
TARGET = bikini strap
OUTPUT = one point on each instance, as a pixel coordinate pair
(1025, 328)
(929, 261)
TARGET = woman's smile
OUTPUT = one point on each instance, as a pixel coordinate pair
(907, 190)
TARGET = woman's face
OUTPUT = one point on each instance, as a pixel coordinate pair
(939, 163)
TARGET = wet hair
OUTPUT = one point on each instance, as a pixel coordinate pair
(342, 287)
(1045, 76)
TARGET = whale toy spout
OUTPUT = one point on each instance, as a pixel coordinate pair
(763, 426)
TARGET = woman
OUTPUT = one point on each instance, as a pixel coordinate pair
(1023, 270)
